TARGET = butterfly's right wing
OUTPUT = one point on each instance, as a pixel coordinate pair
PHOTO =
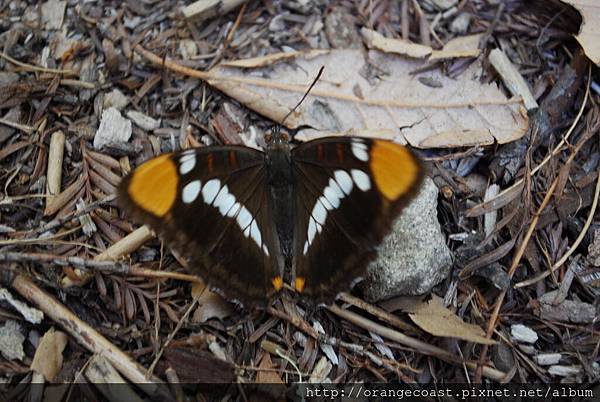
(212, 205)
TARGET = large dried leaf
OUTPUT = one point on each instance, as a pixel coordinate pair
(437, 320)
(48, 358)
(589, 33)
(392, 102)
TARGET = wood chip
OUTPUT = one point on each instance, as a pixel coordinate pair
(511, 77)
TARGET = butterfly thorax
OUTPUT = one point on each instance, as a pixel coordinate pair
(281, 185)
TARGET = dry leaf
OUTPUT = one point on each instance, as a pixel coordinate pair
(265, 373)
(393, 104)
(48, 358)
(437, 320)
(210, 304)
(462, 46)
(589, 32)
(374, 40)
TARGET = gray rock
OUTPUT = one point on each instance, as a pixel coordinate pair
(460, 24)
(414, 257)
(11, 341)
(594, 249)
(522, 333)
(577, 312)
(114, 129)
(7, 77)
(341, 31)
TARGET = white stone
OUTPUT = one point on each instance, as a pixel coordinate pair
(143, 121)
(187, 49)
(522, 333)
(113, 129)
(116, 99)
(547, 359)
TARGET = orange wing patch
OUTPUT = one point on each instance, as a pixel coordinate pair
(299, 284)
(394, 169)
(277, 283)
(153, 185)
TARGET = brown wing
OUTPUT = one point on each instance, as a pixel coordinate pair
(212, 205)
(349, 190)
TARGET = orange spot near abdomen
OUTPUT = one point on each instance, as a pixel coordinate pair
(299, 284)
(153, 185)
(277, 283)
(395, 169)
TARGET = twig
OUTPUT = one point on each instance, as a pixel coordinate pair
(513, 267)
(86, 335)
(422, 347)
(573, 247)
(55, 160)
(31, 67)
(107, 267)
(26, 129)
(377, 312)
(482, 208)
(208, 76)
(126, 245)
(174, 332)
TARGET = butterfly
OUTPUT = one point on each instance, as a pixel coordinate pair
(250, 221)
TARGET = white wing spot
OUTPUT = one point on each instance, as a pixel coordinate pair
(319, 213)
(244, 218)
(359, 150)
(234, 209)
(226, 204)
(332, 196)
(325, 203)
(191, 191)
(305, 248)
(361, 179)
(312, 230)
(187, 162)
(223, 193)
(255, 233)
(210, 190)
(344, 180)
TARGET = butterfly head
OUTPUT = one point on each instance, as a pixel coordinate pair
(276, 137)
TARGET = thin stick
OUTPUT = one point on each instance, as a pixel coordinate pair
(86, 335)
(31, 67)
(481, 208)
(573, 247)
(55, 160)
(208, 76)
(513, 267)
(422, 347)
(126, 245)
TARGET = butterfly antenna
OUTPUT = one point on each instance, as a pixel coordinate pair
(305, 95)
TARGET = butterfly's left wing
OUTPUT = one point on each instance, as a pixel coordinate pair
(348, 192)
(211, 204)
